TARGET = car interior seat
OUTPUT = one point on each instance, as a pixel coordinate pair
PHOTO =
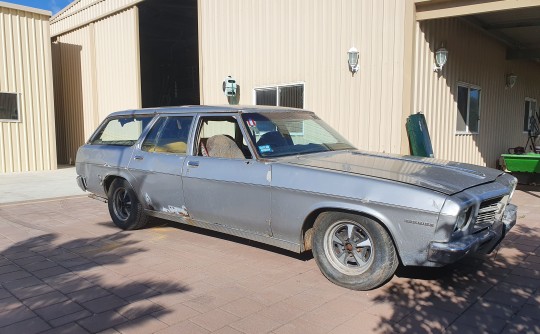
(272, 138)
(223, 147)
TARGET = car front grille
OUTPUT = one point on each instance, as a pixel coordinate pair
(486, 213)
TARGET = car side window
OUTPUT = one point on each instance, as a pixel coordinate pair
(221, 137)
(121, 131)
(150, 141)
(169, 135)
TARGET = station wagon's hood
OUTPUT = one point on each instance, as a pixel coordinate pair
(443, 176)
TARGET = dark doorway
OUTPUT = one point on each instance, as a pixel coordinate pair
(168, 33)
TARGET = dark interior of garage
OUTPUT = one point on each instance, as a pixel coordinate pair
(168, 33)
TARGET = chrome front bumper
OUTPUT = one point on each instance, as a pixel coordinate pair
(481, 242)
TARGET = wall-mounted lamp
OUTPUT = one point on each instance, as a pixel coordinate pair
(353, 59)
(511, 79)
(441, 56)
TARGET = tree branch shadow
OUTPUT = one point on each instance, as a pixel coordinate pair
(75, 281)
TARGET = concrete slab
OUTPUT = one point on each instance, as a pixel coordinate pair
(17, 187)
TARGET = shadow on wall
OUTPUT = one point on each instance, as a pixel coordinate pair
(477, 60)
(482, 294)
(72, 281)
(68, 100)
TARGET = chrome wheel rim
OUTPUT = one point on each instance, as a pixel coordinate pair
(122, 203)
(348, 247)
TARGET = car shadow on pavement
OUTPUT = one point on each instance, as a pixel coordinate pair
(67, 284)
(481, 294)
(156, 222)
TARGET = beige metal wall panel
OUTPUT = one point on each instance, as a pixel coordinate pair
(477, 59)
(261, 43)
(83, 12)
(89, 82)
(118, 77)
(25, 68)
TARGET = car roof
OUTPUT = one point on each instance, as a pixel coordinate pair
(205, 109)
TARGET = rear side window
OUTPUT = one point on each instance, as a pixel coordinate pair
(169, 135)
(122, 131)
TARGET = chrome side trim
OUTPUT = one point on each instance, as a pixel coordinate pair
(297, 248)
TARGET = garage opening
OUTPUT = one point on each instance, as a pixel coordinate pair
(168, 35)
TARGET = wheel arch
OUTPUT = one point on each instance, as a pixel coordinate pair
(309, 221)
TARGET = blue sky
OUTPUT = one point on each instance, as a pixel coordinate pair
(53, 5)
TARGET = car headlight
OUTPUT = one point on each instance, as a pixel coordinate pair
(462, 219)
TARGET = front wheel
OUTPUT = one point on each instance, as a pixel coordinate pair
(353, 251)
(126, 211)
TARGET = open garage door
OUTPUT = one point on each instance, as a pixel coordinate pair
(168, 31)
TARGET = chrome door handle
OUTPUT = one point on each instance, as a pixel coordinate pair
(138, 157)
(193, 163)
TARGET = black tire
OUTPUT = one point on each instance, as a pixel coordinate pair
(353, 251)
(124, 207)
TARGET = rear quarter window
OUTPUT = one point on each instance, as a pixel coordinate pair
(121, 131)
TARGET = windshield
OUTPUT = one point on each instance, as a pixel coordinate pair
(278, 134)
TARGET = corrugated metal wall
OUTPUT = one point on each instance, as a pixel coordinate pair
(25, 68)
(261, 43)
(476, 59)
(83, 12)
(96, 72)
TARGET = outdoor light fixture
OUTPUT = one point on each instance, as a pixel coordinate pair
(511, 79)
(441, 56)
(353, 59)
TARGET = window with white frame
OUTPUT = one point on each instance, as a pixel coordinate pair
(530, 111)
(468, 109)
(9, 107)
(281, 95)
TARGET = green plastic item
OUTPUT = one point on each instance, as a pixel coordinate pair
(418, 133)
(526, 163)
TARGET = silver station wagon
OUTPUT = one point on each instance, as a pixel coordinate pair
(285, 178)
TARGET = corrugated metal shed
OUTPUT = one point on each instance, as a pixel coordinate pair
(96, 66)
(477, 59)
(28, 142)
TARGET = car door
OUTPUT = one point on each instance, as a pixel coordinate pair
(158, 161)
(226, 186)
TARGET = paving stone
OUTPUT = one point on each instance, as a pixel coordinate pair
(27, 326)
(214, 320)
(31, 291)
(67, 329)
(50, 272)
(45, 299)
(255, 324)
(14, 276)
(184, 327)
(138, 309)
(8, 317)
(66, 319)
(106, 303)
(58, 310)
(9, 268)
(142, 325)
(88, 294)
(175, 314)
(101, 321)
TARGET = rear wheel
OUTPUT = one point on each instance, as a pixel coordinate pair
(124, 207)
(353, 251)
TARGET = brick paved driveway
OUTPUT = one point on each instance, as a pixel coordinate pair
(64, 268)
